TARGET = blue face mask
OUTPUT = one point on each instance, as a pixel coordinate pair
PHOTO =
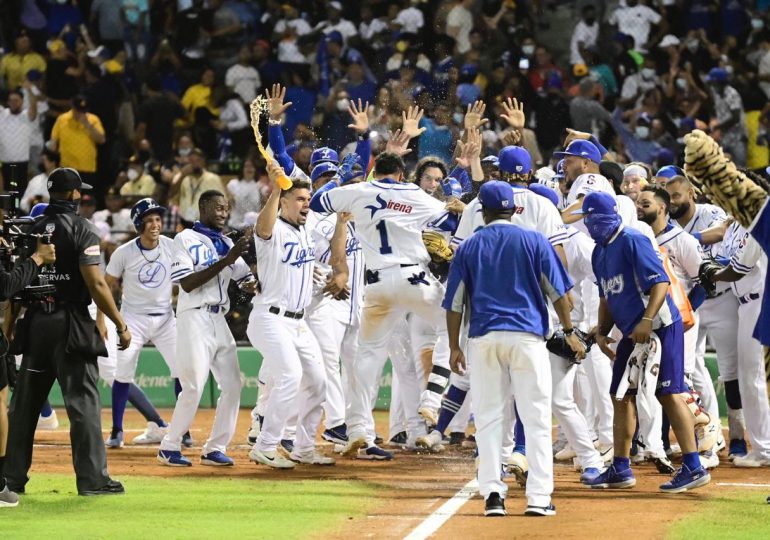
(601, 227)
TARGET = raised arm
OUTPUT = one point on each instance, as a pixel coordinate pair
(269, 214)
(276, 110)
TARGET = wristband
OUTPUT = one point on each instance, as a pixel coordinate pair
(647, 319)
(569, 332)
(364, 136)
(272, 122)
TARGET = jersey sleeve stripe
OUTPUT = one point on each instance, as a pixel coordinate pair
(738, 267)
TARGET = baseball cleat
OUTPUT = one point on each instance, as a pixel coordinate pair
(752, 460)
(337, 435)
(254, 430)
(738, 448)
(153, 434)
(429, 415)
(187, 440)
(685, 479)
(173, 458)
(216, 459)
(589, 473)
(673, 451)
(374, 453)
(565, 453)
(48, 423)
(469, 442)
(431, 441)
(517, 465)
(354, 445)
(113, 487)
(311, 458)
(271, 459)
(721, 443)
(494, 506)
(664, 465)
(549, 510)
(611, 478)
(707, 435)
(115, 440)
(8, 499)
(399, 439)
(378, 440)
(709, 460)
(607, 453)
(287, 446)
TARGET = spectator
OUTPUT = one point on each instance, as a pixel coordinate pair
(440, 134)
(601, 71)
(637, 84)
(198, 96)
(117, 218)
(553, 115)
(585, 112)
(244, 194)
(191, 181)
(763, 68)
(269, 69)
(636, 20)
(336, 23)
(16, 127)
(637, 141)
(459, 24)
(728, 122)
(372, 30)
(291, 21)
(139, 183)
(358, 86)
(243, 78)
(155, 119)
(635, 178)
(543, 68)
(37, 188)
(76, 135)
(135, 15)
(584, 35)
(14, 66)
(627, 60)
(107, 19)
(235, 126)
(409, 19)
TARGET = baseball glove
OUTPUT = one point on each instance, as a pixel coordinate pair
(558, 345)
(437, 246)
(706, 273)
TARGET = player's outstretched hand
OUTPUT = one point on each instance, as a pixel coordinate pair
(240, 247)
(474, 115)
(275, 105)
(573, 134)
(398, 143)
(511, 137)
(457, 361)
(411, 122)
(359, 115)
(513, 113)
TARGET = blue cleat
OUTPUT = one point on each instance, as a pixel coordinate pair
(374, 453)
(287, 445)
(173, 458)
(336, 435)
(216, 459)
(612, 479)
(589, 473)
(187, 440)
(686, 479)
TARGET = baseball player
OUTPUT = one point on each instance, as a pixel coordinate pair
(633, 287)
(718, 315)
(390, 216)
(286, 256)
(204, 261)
(506, 293)
(143, 268)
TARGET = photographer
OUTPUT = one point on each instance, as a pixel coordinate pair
(72, 344)
(11, 283)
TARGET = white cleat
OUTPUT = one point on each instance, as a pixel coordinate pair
(606, 453)
(565, 454)
(355, 443)
(312, 458)
(518, 466)
(271, 459)
(254, 431)
(431, 442)
(709, 460)
(751, 461)
(428, 414)
(48, 423)
(152, 435)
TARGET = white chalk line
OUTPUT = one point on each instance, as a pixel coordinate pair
(743, 484)
(434, 521)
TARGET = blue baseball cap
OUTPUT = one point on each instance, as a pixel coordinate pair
(496, 195)
(717, 75)
(560, 169)
(38, 209)
(322, 155)
(514, 159)
(323, 168)
(598, 202)
(669, 171)
(545, 191)
(581, 148)
(493, 160)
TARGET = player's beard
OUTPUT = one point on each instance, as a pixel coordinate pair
(649, 217)
(678, 211)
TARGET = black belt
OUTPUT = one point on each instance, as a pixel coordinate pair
(407, 265)
(748, 298)
(290, 314)
(159, 314)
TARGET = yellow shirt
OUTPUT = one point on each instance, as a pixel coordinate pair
(14, 67)
(195, 97)
(77, 148)
(191, 189)
(144, 186)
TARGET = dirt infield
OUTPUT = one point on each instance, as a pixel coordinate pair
(413, 486)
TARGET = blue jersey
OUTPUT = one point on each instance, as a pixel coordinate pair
(626, 269)
(760, 230)
(503, 274)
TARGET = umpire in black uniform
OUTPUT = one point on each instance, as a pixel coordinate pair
(70, 346)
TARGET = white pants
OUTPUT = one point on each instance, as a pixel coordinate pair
(568, 415)
(160, 330)
(337, 340)
(505, 364)
(386, 302)
(599, 371)
(425, 337)
(400, 352)
(719, 323)
(751, 379)
(205, 343)
(294, 363)
(695, 369)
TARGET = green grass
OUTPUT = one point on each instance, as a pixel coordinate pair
(731, 515)
(168, 508)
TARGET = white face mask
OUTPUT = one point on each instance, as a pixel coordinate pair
(681, 84)
(692, 45)
(342, 105)
(185, 151)
(757, 24)
(132, 174)
(458, 118)
(528, 50)
(642, 132)
(648, 73)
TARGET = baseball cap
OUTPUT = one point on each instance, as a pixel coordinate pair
(335, 5)
(492, 160)
(669, 40)
(669, 171)
(545, 191)
(65, 179)
(323, 168)
(514, 159)
(580, 70)
(613, 172)
(581, 148)
(496, 195)
(717, 75)
(335, 36)
(687, 123)
(38, 209)
(664, 157)
(322, 155)
(598, 202)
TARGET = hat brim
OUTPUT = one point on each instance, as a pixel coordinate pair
(580, 212)
(83, 186)
(562, 155)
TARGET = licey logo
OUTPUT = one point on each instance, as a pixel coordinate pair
(613, 285)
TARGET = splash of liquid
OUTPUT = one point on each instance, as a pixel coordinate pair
(258, 108)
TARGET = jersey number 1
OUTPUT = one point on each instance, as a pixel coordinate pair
(385, 248)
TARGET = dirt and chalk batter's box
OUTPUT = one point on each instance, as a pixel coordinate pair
(153, 377)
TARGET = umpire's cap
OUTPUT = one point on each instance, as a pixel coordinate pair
(143, 208)
(65, 179)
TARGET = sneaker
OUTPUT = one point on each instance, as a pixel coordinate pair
(638, 458)
(673, 451)
(589, 473)
(113, 487)
(565, 453)
(399, 439)
(153, 434)
(337, 435)
(517, 465)
(721, 443)
(48, 423)
(429, 414)
(613, 479)
(8, 499)
(664, 465)
(115, 440)
(737, 449)
(355, 443)
(558, 445)
(431, 442)
(607, 453)
(287, 445)
(312, 458)
(686, 479)
(456, 438)
(494, 505)
(469, 442)
(271, 459)
(187, 440)
(751, 460)
(374, 453)
(216, 459)
(707, 435)
(173, 458)
(709, 460)
(254, 430)
(549, 510)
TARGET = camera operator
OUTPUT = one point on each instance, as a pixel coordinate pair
(72, 344)
(10, 284)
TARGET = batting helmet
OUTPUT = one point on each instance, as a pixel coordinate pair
(143, 208)
(323, 155)
(38, 209)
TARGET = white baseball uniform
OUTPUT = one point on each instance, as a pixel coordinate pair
(204, 341)
(146, 302)
(277, 329)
